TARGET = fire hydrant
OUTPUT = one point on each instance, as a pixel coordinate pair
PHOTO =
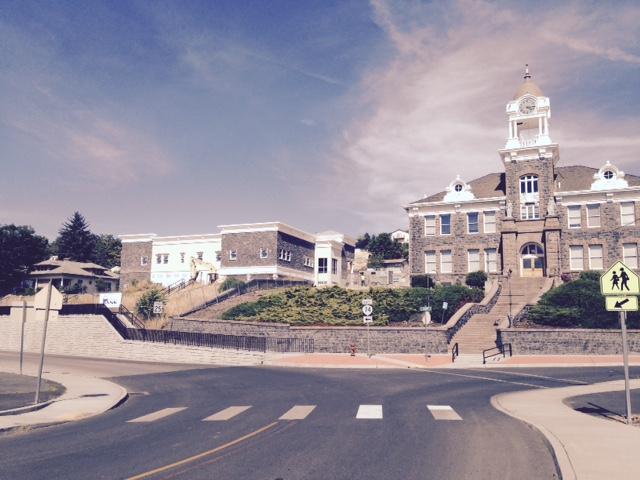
(353, 349)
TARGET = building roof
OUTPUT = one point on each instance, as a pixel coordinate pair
(489, 186)
(578, 177)
(69, 267)
(528, 87)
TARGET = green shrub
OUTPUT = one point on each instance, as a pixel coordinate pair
(231, 283)
(476, 279)
(144, 306)
(578, 304)
(424, 281)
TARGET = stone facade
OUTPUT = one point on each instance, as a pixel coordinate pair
(568, 341)
(132, 265)
(300, 249)
(247, 246)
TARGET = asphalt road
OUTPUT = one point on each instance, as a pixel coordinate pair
(408, 442)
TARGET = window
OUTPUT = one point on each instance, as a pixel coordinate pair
(474, 260)
(308, 262)
(218, 256)
(489, 222)
(430, 225)
(323, 265)
(630, 254)
(529, 211)
(608, 174)
(158, 258)
(573, 214)
(595, 257)
(144, 261)
(165, 258)
(490, 260)
(334, 266)
(472, 222)
(282, 254)
(200, 255)
(529, 184)
(285, 255)
(593, 215)
(430, 262)
(445, 261)
(181, 257)
(289, 256)
(627, 214)
(458, 187)
(445, 224)
(576, 257)
(233, 254)
(264, 253)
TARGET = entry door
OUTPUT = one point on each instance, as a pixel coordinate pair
(532, 266)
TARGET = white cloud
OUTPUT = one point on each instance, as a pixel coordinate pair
(436, 109)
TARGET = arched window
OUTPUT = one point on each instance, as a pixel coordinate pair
(532, 249)
(529, 184)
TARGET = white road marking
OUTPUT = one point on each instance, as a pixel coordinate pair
(521, 374)
(478, 377)
(369, 412)
(443, 412)
(227, 413)
(152, 417)
(298, 412)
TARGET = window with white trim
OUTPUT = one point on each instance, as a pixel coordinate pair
(182, 254)
(323, 265)
(429, 225)
(158, 258)
(200, 255)
(630, 254)
(144, 261)
(165, 258)
(491, 260)
(285, 255)
(430, 262)
(489, 222)
(264, 253)
(445, 224)
(473, 257)
(574, 216)
(627, 214)
(529, 211)
(308, 262)
(576, 257)
(334, 266)
(595, 257)
(233, 254)
(529, 184)
(218, 256)
(473, 220)
(446, 261)
(593, 215)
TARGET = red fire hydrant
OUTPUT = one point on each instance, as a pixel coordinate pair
(353, 349)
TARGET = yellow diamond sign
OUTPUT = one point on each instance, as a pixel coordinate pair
(622, 304)
(620, 280)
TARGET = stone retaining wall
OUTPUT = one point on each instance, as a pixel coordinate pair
(330, 339)
(562, 341)
(93, 336)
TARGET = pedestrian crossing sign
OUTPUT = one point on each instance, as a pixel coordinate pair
(620, 280)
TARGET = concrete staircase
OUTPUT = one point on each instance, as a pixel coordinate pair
(479, 333)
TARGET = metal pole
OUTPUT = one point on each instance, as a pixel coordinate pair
(44, 339)
(24, 319)
(368, 343)
(625, 357)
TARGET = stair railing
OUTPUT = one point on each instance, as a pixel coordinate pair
(177, 286)
(502, 349)
(455, 352)
(133, 319)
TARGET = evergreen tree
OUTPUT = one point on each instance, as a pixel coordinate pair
(107, 251)
(363, 241)
(20, 249)
(75, 241)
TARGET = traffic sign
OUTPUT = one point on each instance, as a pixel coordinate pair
(425, 309)
(622, 304)
(367, 320)
(445, 305)
(158, 307)
(367, 301)
(619, 280)
(367, 310)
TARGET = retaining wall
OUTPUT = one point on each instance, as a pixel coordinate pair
(92, 336)
(562, 341)
(330, 339)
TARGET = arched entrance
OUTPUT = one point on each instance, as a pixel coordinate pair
(532, 260)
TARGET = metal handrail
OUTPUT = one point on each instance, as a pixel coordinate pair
(501, 350)
(135, 321)
(177, 286)
(455, 352)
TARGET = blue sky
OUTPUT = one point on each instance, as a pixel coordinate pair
(175, 117)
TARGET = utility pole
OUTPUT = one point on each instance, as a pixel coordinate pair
(44, 339)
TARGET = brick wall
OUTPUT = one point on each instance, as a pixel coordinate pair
(131, 268)
(330, 339)
(92, 336)
(568, 341)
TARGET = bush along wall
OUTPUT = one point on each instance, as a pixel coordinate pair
(578, 304)
(338, 306)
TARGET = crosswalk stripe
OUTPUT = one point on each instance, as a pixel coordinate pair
(369, 412)
(152, 417)
(443, 412)
(227, 413)
(298, 412)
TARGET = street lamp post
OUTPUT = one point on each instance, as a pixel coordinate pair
(510, 297)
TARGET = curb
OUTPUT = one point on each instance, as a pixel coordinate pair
(26, 409)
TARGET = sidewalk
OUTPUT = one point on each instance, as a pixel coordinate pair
(19, 390)
(586, 447)
(387, 360)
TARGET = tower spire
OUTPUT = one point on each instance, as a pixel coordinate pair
(527, 75)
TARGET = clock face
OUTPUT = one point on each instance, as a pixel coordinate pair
(527, 105)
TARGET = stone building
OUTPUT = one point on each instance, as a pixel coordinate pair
(536, 218)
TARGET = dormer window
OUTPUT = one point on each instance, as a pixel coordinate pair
(608, 175)
(458, 191)
(458, 187)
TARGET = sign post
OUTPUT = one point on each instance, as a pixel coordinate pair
(44, 339)
(445, 305)
(427, 321)
(24, 319)
(367, 310)
(621, 287)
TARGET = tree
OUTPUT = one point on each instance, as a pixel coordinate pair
(144, 306)
(20, 249)
(383, 247)
(107, 251)
(476, 279)
(75, 241)
(363, 241)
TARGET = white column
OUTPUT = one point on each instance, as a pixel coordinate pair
(515, 129)
(546, 125)
(510, 130)
(539, 125)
